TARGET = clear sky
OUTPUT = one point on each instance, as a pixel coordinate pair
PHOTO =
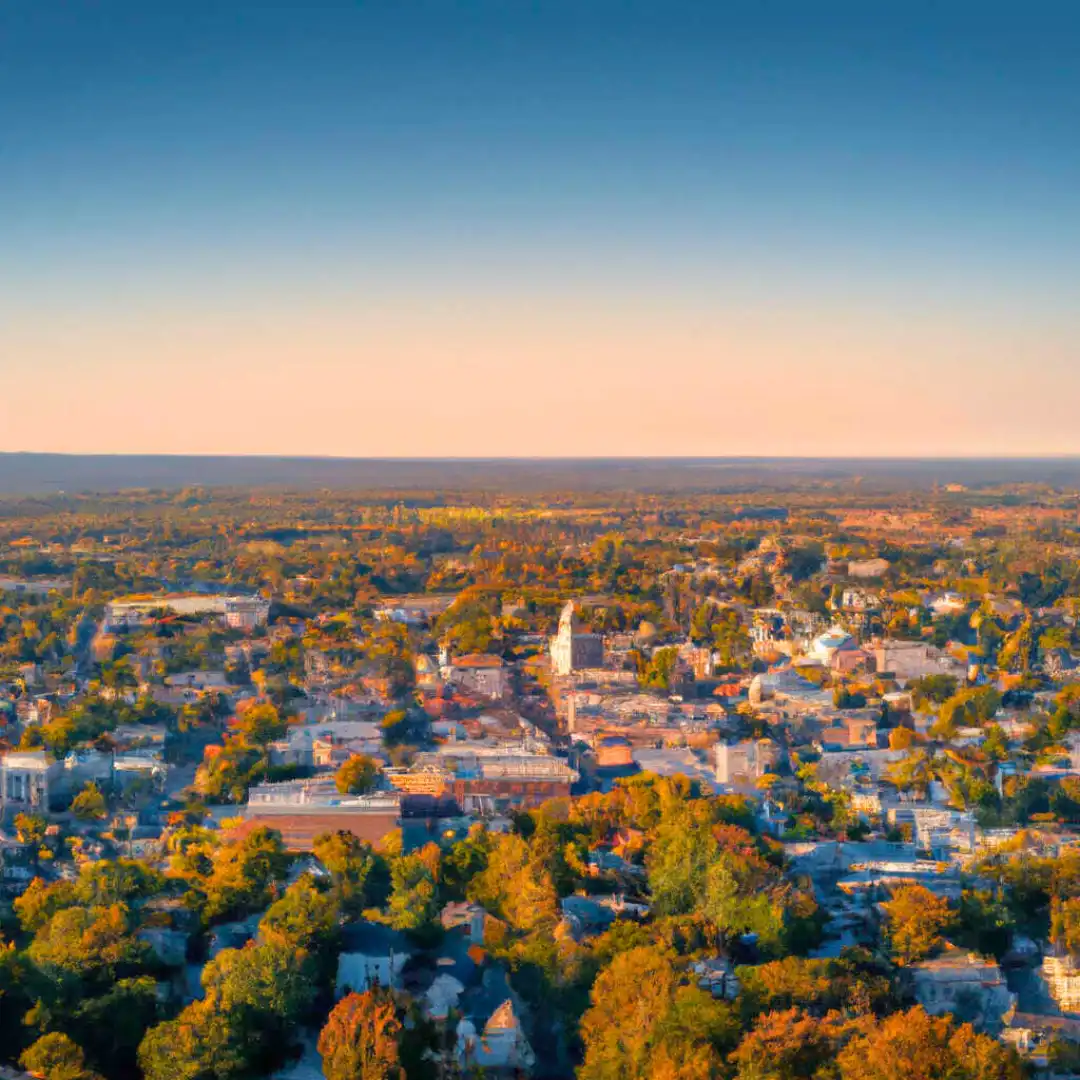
(500, 227)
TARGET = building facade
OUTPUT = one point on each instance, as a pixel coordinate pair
(572, 650)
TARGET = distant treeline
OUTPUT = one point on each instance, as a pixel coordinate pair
(32, 473)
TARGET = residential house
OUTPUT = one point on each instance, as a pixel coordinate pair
(371, 955)
(500, 1050)
(1032, 1035)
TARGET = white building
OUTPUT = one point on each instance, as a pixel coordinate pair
(239, 612)
(572, 650)
(28, 779)
(743, 761)
(825, 646)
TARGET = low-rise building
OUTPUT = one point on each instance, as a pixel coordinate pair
(744, 761)
(492, 779)
(239, 612)
(825, 646)
(1032, 1035)
(1061, 973)
(301, 810)
(906, 661)
(479, 673)
(967, 986)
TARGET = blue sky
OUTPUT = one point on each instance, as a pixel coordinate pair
(244, 204)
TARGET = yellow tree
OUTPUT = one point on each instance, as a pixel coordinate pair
(916, 918)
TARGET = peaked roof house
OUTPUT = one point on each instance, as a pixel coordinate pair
(501, 1048)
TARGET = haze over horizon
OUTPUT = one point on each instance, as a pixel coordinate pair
(563, 229)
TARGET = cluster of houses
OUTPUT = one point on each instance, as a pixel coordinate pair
(500, 743)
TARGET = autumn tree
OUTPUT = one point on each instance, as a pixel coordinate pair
(787, 1045)
(647, 1019)
(87, 944)
(855, 981)
(351, 863)
(261, 724)
(56, 1057)
(916, 918)
(914, 1043)
(358, 775)
(41, 901)
(913, 772)
(243, 872)
(361, 1038)
(31, 828)
(516, 885)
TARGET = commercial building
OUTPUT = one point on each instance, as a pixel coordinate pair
(239, 612)
(301, 810)
(488, 780)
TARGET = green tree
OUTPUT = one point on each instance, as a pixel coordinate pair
(306, 920)
(660, 670)
(111, 1026)
(56, 1057)
(254, 1000)
(262, 724)
(351, 863)
(31, 828)
(984, 923)
(118, 881)
(414, 902)
(90, 804)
